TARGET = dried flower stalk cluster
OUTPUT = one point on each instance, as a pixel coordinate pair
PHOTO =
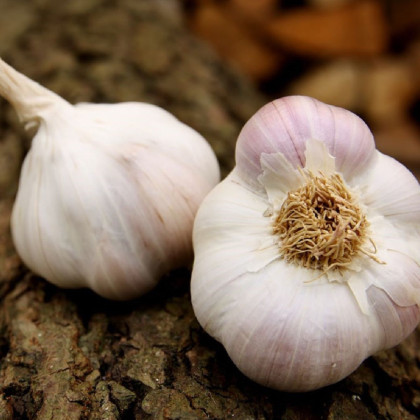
(320, 226)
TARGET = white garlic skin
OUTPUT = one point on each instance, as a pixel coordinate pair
(107, 193)
(284, 326)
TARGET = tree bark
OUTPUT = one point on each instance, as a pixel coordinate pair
(73, 355)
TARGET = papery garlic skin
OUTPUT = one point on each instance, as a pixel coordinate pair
(108, 192)
(286, 326)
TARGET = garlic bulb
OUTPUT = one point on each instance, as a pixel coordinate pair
(307, 254)
(108, 192)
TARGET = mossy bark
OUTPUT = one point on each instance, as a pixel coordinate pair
(72, 355)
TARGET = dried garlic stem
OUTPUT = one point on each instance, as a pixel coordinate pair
(320, 226)
(28, 98)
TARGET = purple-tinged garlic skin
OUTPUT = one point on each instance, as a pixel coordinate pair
(285, 126)
(301, 314)
(108, 192)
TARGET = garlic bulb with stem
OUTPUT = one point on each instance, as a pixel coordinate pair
(307, 254)
(108, 192)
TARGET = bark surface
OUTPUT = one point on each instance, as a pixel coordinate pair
(72, 355)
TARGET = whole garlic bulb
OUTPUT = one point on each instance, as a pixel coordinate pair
(307, 254)
(108, 192)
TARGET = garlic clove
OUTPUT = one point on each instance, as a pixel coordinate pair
(108, 192)
(304, 266)
(391, 189)
(398, 278)
(394, 319)
(277, 127)
(280, 331)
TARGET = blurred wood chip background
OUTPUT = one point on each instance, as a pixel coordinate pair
(363, 55)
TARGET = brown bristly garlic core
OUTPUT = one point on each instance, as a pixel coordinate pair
(320, 226)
